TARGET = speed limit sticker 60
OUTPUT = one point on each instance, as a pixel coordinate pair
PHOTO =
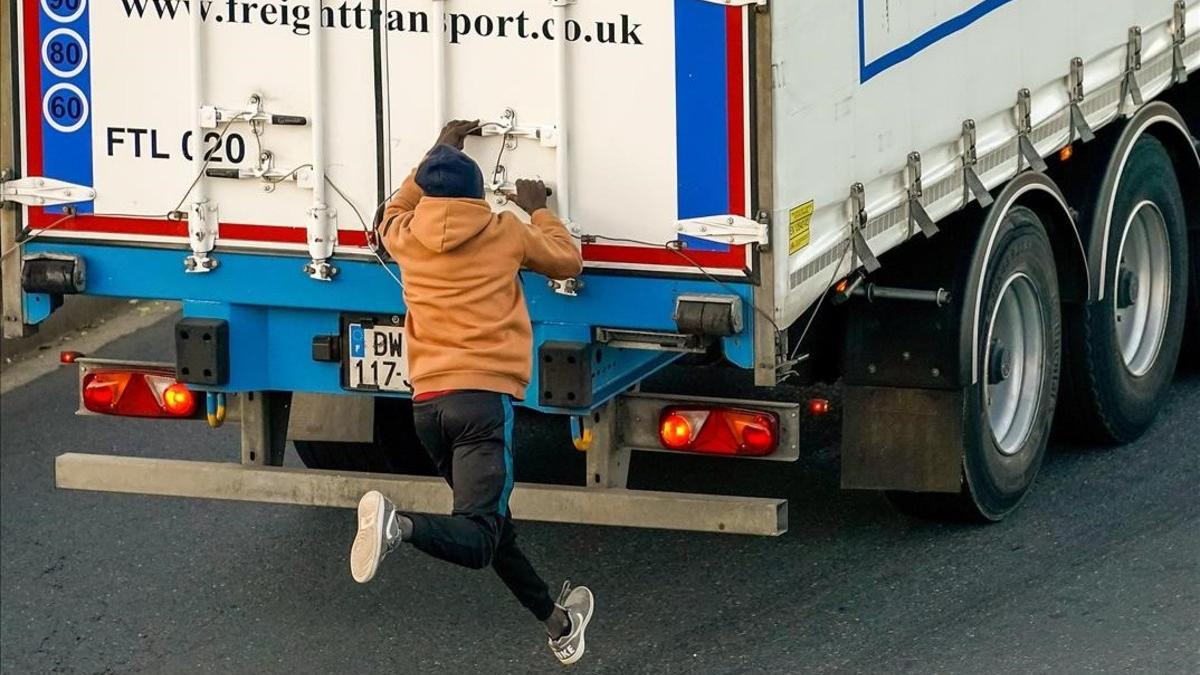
(65, 107)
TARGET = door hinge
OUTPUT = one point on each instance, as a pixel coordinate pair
(38, 191)
(727, 229)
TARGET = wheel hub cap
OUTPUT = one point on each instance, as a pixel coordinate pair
(1127, 289)
(1015, 363)
(1141, 300)
(1000, 366)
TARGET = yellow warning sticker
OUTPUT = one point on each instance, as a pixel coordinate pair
(799, 227)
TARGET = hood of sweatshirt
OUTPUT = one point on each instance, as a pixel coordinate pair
(443, 224)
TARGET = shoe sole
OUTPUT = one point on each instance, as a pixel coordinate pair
(574, 658)
(368, 542)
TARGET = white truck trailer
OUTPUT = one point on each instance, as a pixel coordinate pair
(972, 212)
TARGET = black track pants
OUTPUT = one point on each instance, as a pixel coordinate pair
(468, 434)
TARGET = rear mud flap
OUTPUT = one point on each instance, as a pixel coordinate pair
(902, 439)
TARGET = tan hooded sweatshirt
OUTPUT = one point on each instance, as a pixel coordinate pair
(467, 325)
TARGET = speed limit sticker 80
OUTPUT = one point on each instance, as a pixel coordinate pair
(64, 53)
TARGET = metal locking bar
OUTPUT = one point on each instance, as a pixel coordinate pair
(212, 117)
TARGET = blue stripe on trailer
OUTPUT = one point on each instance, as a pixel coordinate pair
(919, 43)
(274, 311)
(702, 109)
(66, 95)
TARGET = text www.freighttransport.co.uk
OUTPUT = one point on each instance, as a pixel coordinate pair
(297, 18)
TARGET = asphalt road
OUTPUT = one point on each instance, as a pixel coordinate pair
(1098, 572)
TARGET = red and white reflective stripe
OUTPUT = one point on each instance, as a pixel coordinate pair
(734, 259)
(172, 229)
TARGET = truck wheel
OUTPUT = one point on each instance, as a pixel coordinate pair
(1009, 410)
(1121, 352)
(396, 448)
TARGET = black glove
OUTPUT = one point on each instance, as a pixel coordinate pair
(454, 133)
(531, 195)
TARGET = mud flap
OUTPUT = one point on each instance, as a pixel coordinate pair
(903, 439)
(328, 417)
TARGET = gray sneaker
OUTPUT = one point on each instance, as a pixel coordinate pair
(378, 534)
(578, 603)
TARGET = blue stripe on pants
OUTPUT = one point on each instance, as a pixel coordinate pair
(508, 455)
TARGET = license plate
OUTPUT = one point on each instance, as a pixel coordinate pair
(375, 359)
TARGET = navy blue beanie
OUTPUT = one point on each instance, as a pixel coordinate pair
(449, 172)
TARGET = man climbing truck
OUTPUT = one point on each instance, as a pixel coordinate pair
(469, 345)
(977, 215)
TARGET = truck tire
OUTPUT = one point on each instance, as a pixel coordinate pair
(1121, 352)
(1008, 412)
(396, 448)
(1191, 357)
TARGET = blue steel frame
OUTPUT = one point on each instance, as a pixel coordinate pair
(274, 311)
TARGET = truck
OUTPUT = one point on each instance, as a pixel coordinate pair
(976, 215)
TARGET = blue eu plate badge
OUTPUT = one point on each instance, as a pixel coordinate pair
(376, 360)
(357, 341)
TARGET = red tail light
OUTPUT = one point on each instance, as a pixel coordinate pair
(719, 431)
(137, 393)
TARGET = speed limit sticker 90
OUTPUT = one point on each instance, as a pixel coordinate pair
(65, 107)
(64, 11)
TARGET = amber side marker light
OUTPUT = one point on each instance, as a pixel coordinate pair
(818, 407)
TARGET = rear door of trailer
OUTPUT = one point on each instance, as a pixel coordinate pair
(652, 118)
